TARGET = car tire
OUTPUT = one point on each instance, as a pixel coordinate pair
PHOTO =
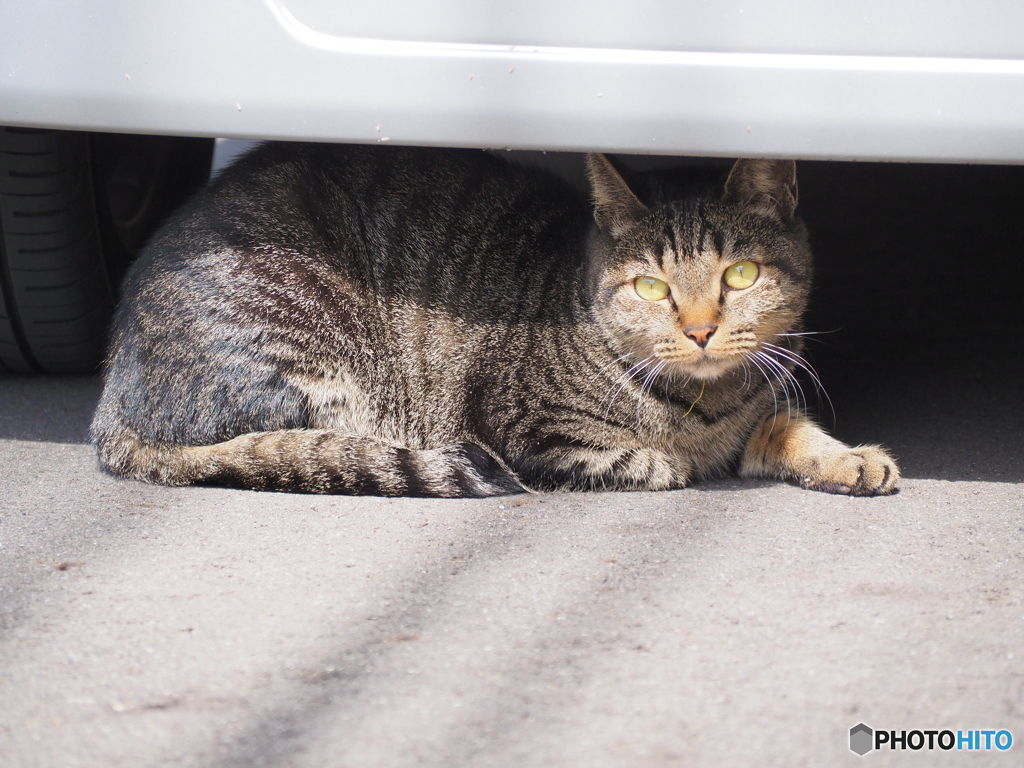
(75, 208)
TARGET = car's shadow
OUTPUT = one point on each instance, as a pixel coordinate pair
(49, 409)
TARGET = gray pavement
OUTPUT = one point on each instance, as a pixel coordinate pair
(735, 623)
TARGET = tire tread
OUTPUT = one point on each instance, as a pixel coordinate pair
(56, 297)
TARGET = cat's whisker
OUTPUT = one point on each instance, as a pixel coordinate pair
(788, 375)
(652, 375)
(606, 366)
(785, 381)
(647, 383)
(796, 381)
(779, 373)
(794, 358)
(798, 388)
(625, 378)
(806, 335)
(790, 388)
(803, 364)
(746, 377)
(767, 378)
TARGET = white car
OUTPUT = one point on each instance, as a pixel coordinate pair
(98, 99)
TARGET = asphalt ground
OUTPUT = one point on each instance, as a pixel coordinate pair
(734, 623)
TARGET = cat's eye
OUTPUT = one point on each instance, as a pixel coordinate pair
(742, 274)
(651, 288)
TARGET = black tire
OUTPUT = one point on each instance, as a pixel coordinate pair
(75, 208)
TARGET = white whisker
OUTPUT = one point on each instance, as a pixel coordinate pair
(784, 377)
(618, 359)
(625, 378)
(802, 363)
(771, 386)
(746, 376)
(646, 384)
(781, 376)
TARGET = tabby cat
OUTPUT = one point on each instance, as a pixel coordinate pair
(428, 322)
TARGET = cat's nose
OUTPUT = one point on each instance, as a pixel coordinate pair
(700, 334)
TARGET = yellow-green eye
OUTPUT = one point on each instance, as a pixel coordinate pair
(651, 288)
(741, 275)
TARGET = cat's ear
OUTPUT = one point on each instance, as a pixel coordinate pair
(616, 208)
(767, 185)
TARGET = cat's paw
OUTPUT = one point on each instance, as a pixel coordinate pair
(866, 470)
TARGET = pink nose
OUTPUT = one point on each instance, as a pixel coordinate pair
(701, 334)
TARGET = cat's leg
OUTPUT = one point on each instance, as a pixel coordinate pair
(585, 468)
(312, 461)
(795, 448)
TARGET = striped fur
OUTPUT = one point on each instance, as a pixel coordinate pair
(424, 322)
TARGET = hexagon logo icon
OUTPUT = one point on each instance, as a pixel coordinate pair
(860, 739)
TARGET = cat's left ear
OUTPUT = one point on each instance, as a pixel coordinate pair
(767, 185)
(616, 208)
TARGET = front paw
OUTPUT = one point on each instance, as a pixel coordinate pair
(863, 471)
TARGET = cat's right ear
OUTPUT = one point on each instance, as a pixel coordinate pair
(616, 208)
(765, 185)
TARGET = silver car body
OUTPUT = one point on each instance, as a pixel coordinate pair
(924, 80)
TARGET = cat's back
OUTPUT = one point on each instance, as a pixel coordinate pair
(300, 256)
(393, 216)
(387, 187)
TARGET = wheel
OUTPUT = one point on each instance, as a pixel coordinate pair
(75, 208)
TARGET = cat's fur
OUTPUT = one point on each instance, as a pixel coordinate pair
(401, 321)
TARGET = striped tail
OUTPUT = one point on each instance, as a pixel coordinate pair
(312, 461)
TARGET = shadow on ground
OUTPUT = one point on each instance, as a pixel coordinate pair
(924, 324)
(49, 409)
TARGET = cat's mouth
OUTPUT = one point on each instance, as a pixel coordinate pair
(703, 365)
(699, 363)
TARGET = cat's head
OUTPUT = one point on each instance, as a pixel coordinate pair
(704, 282)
